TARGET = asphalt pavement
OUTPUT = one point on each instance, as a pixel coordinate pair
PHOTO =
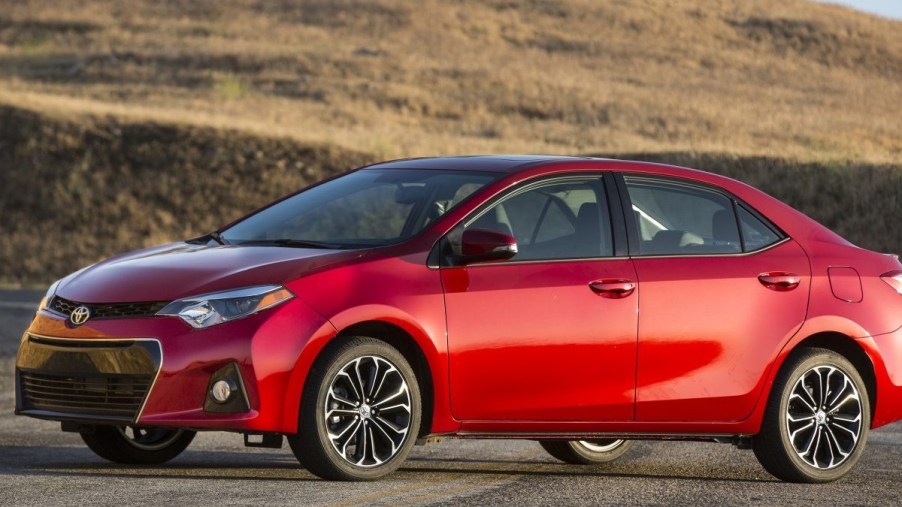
(39, 465)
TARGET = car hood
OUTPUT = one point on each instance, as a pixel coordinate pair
(181, 270)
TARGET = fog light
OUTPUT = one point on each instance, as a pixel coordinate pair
(226, 393)
(222, 390)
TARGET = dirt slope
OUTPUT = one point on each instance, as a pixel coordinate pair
(77, 190)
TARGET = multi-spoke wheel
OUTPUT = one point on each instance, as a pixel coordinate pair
(817, 419)
(587, 452)
(367, 411)
(360, 414)
(135, 445)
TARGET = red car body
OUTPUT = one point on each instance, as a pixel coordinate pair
(659, 346)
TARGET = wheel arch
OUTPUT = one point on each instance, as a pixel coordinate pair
(403, 342)
(843, 345)
(775, 445)
(422, 341)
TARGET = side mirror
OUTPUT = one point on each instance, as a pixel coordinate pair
(480, 245)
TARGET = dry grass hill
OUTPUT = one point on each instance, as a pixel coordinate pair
(124, 124)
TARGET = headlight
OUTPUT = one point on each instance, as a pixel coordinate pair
(211, 309)
(45, 301)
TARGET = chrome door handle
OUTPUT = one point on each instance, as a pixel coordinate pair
(780, 281)
(613, 288)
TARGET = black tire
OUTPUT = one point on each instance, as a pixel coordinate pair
(371, 439)
(800, 417)
(137, 446)
(587, 452)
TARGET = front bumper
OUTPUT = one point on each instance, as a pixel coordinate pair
(85, 380)
(157, 371)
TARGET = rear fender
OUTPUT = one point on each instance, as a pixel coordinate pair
(833, 325)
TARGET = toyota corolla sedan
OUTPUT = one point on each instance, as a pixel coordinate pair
(583, 303)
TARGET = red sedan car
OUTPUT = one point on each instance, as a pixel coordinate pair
(583, 303)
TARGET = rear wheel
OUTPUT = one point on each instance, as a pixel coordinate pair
(816, 423)
(132, 445)
(360, 414)
(587, 452)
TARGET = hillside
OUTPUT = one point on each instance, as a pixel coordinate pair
(80, 190)
(129, 124)
(399, 78)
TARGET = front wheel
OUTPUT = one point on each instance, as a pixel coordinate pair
(816, 423)
(360, 414)
(587, 452)
(131, 445)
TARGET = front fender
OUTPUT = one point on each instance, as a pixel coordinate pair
(434, 349)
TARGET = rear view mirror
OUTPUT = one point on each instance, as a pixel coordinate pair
(480, 245)
(410, 194)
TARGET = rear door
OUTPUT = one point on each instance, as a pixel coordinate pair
(722, 291)
(537, 338)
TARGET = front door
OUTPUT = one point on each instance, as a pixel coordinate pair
(549, 335)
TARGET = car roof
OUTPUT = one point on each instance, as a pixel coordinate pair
(494, 163)
(512, 164)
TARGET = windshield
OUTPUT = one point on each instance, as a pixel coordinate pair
(372, 207)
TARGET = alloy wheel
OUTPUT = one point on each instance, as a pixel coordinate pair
(368, 411)
(824, 417)
(605, 445)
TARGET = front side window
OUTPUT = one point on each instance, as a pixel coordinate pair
(370, 207)
(675, 219)
(566, 219)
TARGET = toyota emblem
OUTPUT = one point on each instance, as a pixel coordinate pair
(80, 315)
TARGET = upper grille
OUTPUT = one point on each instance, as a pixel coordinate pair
(97, 394)
(109, 310)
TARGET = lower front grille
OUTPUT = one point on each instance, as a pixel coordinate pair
(113, 395)
(103, 380)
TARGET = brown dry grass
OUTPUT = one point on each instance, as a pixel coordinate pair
(79, 189)
(400, 78)
(82, 190)
(125, 124)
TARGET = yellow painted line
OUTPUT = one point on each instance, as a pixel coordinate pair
(448, 484)
(472, 485)
(394, 492)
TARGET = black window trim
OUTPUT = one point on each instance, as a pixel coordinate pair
(438, 258)
(632, 227)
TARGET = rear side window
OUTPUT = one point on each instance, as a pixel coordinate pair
(675, 219)
(681, 219)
